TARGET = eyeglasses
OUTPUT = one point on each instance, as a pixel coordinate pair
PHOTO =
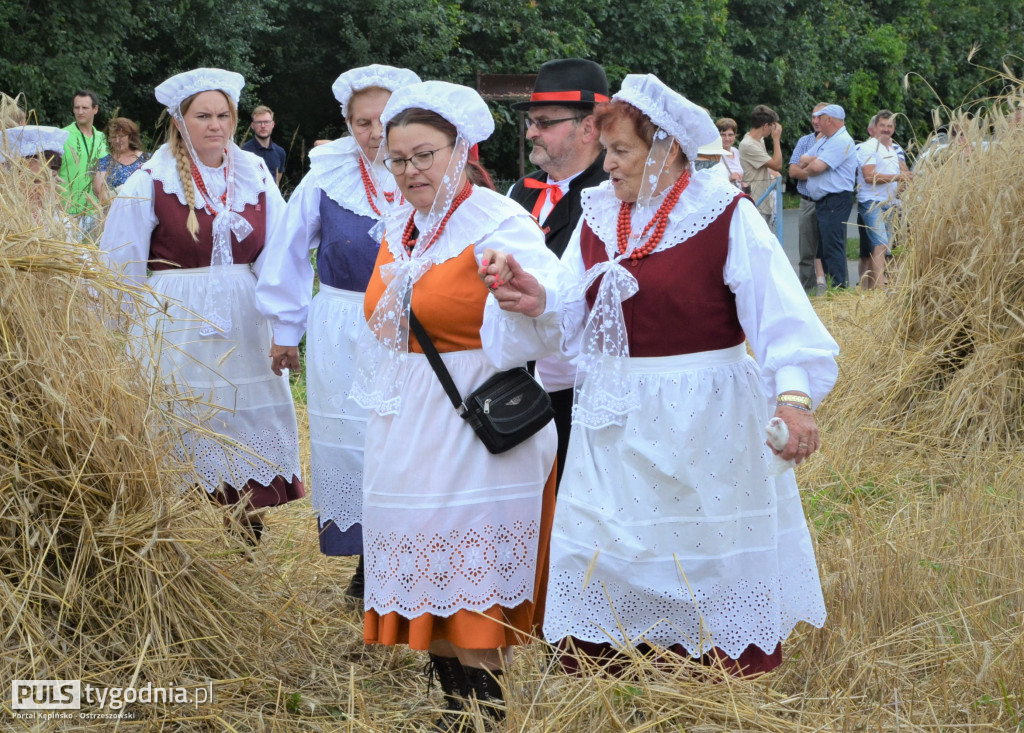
(543, 124)
(420, 161)
(263, 122)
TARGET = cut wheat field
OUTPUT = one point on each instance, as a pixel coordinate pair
(111, 576)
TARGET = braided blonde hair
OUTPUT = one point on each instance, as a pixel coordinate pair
(181, 155)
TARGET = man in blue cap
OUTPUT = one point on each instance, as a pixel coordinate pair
(831, 168)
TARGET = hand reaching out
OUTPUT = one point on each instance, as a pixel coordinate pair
(515, 289)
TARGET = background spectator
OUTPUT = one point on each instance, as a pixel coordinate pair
(260, 143)
(728, 129)
(126, 156)
(812, 275)
(759, 168)
(85, 146)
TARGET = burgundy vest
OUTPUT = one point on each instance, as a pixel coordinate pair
(684, 305)
(171, 240)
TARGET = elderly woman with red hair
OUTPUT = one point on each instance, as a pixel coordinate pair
(671, 530)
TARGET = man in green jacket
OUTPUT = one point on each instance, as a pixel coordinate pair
(85, 146)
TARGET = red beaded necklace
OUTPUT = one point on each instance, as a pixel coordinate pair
(407, 240)
(371, 190)
(659, 221)
(201, 185)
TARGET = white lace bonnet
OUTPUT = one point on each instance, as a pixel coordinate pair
(374, 75)
(172, 92)
(688, 123)
(29, 140)
(460, 105)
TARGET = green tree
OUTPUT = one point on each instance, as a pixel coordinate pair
(306, 44)
(120, 49)
(683, 44)
(52, 48)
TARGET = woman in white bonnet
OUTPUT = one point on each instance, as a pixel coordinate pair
(40, 148)
(670, 529)
(455, 538)
(196, 215)
(333, 211)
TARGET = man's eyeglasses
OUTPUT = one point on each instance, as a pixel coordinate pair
(544, 124)
(420, 161)
(263, 122)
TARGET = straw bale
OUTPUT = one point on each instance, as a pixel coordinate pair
(941, 357)
(12, 111)
(109, 572)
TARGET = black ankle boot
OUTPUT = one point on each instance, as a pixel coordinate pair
(452, 677)
(485, 686)
(357, 584)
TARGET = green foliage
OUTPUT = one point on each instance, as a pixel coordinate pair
(306, 44)
(727, 55)
(120, 50)
(684, 44)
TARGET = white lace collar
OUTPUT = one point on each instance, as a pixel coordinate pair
(478, 216)
(701, 203)
(251, 177)
(335, 170)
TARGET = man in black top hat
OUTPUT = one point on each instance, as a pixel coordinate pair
(560, 125)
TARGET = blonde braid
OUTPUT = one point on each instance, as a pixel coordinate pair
(185, 162)
(185, 175)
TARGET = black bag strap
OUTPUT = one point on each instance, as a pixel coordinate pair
(430, 351)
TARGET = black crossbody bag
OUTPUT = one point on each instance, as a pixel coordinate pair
(504, 411)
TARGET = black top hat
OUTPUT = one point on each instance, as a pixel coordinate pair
(576, 83)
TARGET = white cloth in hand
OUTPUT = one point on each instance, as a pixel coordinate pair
(778, 436)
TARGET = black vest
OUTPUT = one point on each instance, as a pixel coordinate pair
(566, 214)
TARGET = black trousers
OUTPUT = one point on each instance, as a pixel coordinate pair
(561, 402)
(833, 211)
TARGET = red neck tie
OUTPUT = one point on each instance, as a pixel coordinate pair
(548, 189)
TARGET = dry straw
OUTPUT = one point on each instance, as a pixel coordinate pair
(111, 575)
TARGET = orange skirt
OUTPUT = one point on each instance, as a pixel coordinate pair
(491, 629)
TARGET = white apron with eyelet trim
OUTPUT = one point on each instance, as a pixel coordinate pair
(337, 425)
(244, 400)
(447, 525)
(669, 529)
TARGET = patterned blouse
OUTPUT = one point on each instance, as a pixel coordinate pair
(117, 174)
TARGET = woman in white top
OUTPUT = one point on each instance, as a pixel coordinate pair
(670, 529)
(334, 211)
(196, 216)
(455, 538)
(727, 130)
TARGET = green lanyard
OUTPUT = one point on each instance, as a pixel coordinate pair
(85, 141)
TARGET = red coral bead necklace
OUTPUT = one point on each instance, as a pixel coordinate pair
(659, 221)
(371, 190)
(407, 239)
(201, 185)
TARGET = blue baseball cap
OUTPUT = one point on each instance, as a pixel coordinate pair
(832, 110)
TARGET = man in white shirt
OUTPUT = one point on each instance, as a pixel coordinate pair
(879, 173)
